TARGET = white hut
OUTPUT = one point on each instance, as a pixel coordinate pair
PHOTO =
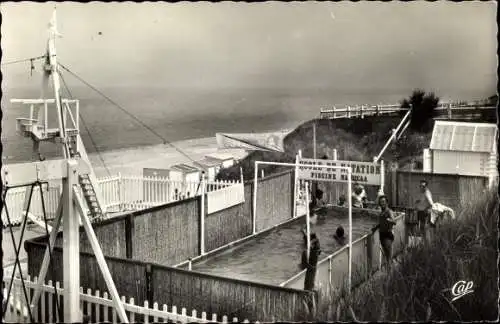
(462, 148)
(211, 166)
(225, 160)
(185, 172)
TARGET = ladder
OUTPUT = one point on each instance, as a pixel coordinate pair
(76, 148)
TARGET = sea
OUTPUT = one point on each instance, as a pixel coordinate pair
(187, 117)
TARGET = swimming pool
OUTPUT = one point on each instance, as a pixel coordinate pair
(275, 256)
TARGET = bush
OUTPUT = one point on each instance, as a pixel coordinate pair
(419, 288)
(424, 110)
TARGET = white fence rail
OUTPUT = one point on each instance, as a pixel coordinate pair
(226, 197)
(95, 307)
(120, 193)
(14, 202)
(368, 110)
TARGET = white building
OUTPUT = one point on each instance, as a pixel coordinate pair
(462, 148)
(211, 166)
(226, 160)
(185, 172)
(152, 172)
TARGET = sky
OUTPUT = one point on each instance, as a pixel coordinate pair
(338, 45)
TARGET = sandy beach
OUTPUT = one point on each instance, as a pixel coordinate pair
(132, 161)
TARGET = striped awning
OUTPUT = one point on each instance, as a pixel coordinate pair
(271, 142)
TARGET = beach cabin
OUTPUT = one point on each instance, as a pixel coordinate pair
(462, 148)
(185, 173)
(211, 166)
(226, 160)
(155, 173)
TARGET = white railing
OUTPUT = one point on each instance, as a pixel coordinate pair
(229, 196)
(14, 202)
(119, 193)
(368, 110)
(17, 310)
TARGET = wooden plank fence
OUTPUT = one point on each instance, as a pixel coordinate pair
(95, 308)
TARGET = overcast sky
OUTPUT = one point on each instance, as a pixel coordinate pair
(342, 45)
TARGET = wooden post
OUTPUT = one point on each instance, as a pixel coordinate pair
(314, 139)
(382, 178)
(71, 250)
(202, 215)
(296, 186)
(348, 111)
(349, 200)
(449, 111)
(46, 117)
(255, 179)
(120, 199)
(308, 224)
(394, 185)
(377, 110)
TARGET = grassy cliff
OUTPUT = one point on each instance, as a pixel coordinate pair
(355, 139)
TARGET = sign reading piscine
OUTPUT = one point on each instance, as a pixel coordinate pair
(362, 172)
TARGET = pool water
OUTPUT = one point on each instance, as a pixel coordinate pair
(275, 257)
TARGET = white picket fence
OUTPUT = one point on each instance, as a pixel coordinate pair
(119, 193)
(226, 197)
(14, 202)
(99, 308)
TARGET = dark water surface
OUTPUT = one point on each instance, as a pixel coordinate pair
(275, 257)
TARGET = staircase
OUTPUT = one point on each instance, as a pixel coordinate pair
(95, 211)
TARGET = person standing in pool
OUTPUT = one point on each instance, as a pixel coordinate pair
(385, 224)
(340, 236)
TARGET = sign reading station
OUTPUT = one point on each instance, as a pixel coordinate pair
(362, 172)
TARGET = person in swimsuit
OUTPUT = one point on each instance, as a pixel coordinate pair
(359, 196)
(385, 224)
(423, 205)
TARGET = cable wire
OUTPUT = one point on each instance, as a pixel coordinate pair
(165, 141)
(24, 60)
(86, 128)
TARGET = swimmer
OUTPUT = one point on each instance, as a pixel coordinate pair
(339, 235)
(315, 251)
(341, 202)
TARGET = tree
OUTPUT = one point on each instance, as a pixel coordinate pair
(423, 109)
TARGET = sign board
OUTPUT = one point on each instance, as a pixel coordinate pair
(366, 173)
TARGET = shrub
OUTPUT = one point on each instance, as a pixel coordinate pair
(419, 288)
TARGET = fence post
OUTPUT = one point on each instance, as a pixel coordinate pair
(202, 215)
(149, 283)
(394, 185)
(449, 111)
(377, 110)
(348, 111)
(119, 189)
(129, 227)
(382, 178)
(254, 211)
